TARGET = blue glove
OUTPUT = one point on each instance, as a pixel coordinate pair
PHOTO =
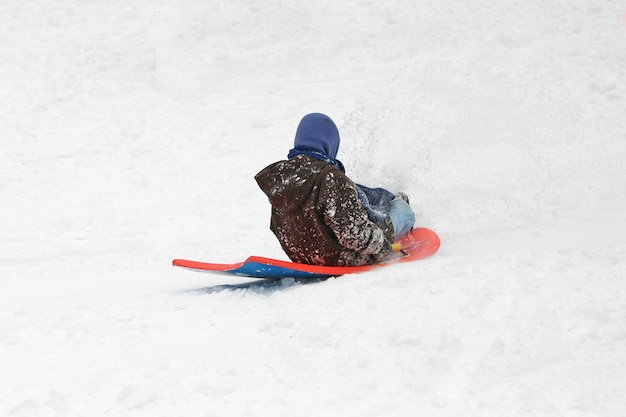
(401, 216)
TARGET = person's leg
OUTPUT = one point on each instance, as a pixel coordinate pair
(376, 201)
(401, 216)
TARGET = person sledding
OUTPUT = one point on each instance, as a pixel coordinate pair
(319, 215)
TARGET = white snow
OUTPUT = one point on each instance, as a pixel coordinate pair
(131, 131)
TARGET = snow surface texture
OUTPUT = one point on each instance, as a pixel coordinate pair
(131, 130)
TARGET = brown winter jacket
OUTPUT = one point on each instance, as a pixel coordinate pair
(317, 215)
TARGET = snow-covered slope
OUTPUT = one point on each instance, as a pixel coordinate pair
(131, 131)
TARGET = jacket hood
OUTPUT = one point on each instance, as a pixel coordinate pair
(317, 132)
(288, 184)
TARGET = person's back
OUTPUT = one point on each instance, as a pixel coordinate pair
(317, 216)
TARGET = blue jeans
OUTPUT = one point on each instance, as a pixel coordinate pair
(380, 203)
